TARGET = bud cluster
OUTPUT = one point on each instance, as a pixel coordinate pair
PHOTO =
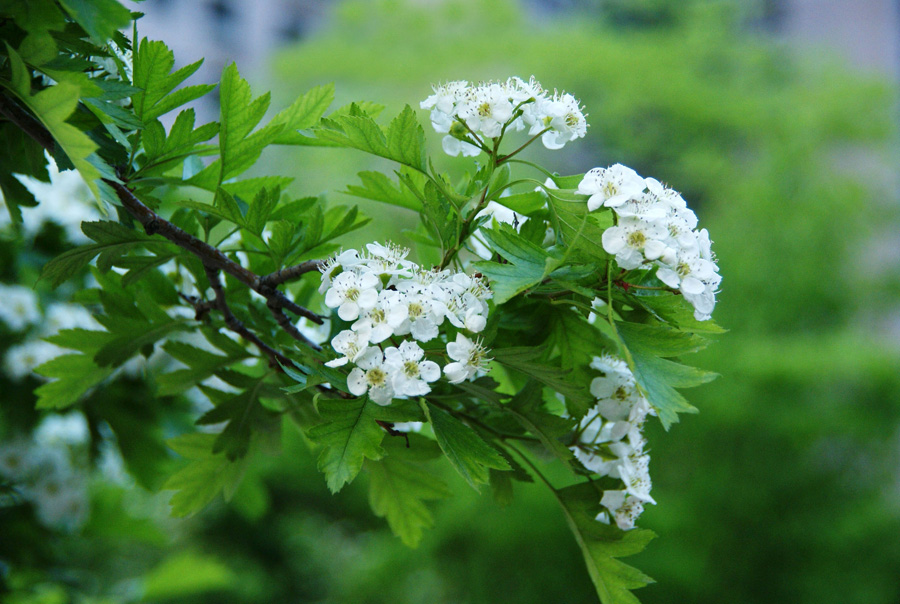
(473, 114)
(610, 442)
(655, 227)
(389, 297)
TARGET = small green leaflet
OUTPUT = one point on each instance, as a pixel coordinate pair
(526, 408)
(528, 265)
(464, 448)
(245, 416)
(378, 187)
(205, 476)
(658, 376)
(401, 483)
(239, 145)
(528, 361)
(350, 435)
(403, 142)
(153, 62)
(114, 240)
(601, 545)
(99, 18)
(582, 231)
(73, 375)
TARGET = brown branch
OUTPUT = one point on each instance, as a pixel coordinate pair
(29, 124)
(290, 273)
(210, 256)
(235, 324)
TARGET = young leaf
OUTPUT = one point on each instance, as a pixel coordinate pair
(527, 266)
(73, 375)
(464, 448)
(378, 187)
(400, 484)
(99, 18)
(658, 376)
(349, 434)
(602, 545)
(525, 359)
(582, 231)
(205, 476)
(152, 63)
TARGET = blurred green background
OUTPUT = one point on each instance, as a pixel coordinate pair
(786, 487)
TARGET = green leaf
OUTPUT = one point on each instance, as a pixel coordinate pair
(73, 375)
(99, 18)
(581, 230)
(659, 377)
(201, 480)
(201, 364)
(601, 545)
(548, 428)
(53, 106)
(527, 266)
(378, 187)
(153, 62)
(245, 416)
(303, 114)
(464, 448)
(114, 240)
(399, 486)
(527, 204)
(527, 360)
(404, 141)
(19, 154)
(186, 574)
(239, 145)
(676, 310)
(350, 435)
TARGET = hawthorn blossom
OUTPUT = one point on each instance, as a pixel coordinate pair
(372, 376)
(351, 293)
(411, 375)
(469, 358)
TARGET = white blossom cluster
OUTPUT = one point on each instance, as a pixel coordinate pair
(389, 297)
(655, 227)
(41, 470)
(469, 114)
(610, 441)
(21, 312)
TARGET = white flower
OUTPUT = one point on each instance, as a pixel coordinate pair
(18, 307)
(21, 360)
(470, 357)
(422, 318)
(453, 147)
(15, 459)
(611, 186)
(385, 318)
(335, 265)
(566, 121)
(625, 508)
(351, 344)
(351, 292)
(67, 430)
(411, 375)
(634, 240)
(370, 375)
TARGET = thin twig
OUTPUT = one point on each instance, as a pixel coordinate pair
(234, 324)
(210, 256)
(290, 273)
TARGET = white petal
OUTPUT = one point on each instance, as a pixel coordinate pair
(455, 372)
(348, 311)
(356, 382)
(429, 371)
